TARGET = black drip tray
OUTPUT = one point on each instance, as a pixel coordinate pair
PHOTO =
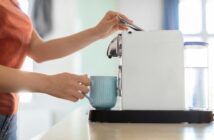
(150, 116)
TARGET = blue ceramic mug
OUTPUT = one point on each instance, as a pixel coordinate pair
(103, 92)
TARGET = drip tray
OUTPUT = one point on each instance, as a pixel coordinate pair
(138, 116)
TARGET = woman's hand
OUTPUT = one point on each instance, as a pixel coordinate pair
(110, 24)
(40, 50)
(68, 86)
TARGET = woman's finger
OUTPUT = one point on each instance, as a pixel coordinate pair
(83, 89)
(110, 14)
(78, 94)
(118, 16)
(125, 17)
(122, 28)
(114, 21)
(71, 98)
(83, 79)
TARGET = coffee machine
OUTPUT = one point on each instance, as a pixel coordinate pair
(151, 70)
(150, 80)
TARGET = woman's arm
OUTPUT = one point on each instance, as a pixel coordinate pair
(65, 85)
(13, 80)
(42, 51)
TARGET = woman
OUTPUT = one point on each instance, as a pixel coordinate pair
(18, 40)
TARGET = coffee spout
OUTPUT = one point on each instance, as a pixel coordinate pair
(114, 48)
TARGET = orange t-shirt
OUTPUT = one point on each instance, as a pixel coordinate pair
(15, 36)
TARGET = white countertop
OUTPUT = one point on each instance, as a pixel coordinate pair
(77, 127)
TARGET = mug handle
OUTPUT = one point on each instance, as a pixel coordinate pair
(89, 99)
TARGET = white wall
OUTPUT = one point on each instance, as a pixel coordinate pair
(148, 14)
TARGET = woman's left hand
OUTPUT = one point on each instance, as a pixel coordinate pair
(110, 24)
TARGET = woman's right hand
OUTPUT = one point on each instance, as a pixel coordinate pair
(68, 86)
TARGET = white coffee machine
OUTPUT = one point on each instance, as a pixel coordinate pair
(150, 80)
(151, 71)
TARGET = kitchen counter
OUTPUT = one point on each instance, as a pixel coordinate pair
(77, 127)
